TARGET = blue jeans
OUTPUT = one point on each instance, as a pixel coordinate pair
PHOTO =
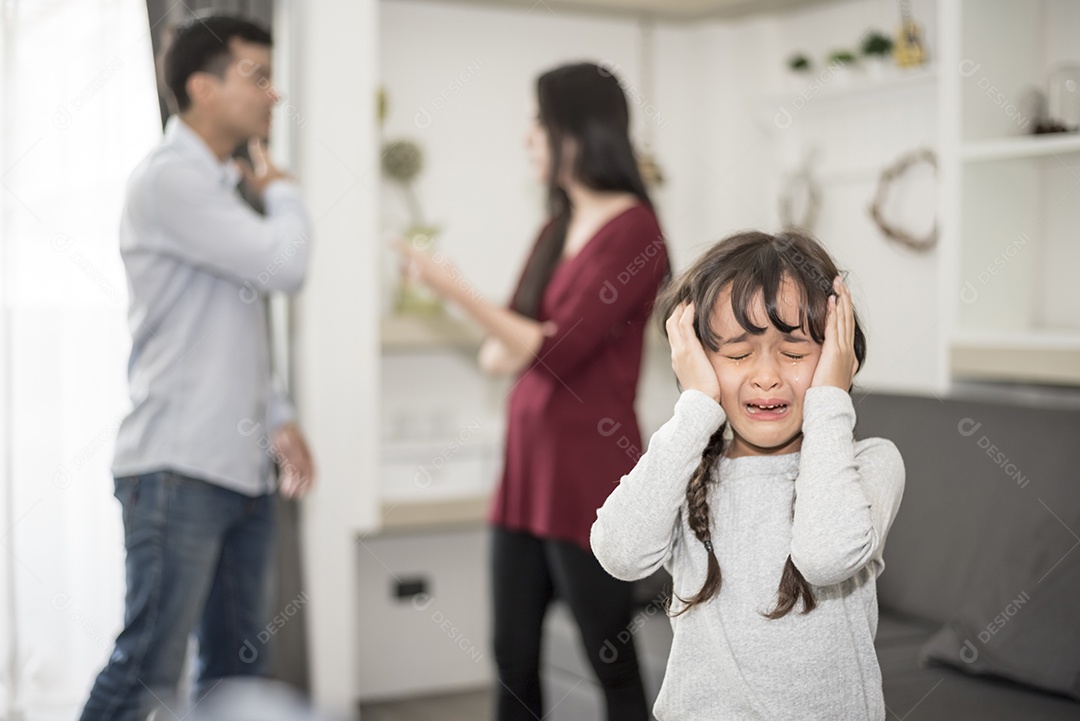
(197, 559)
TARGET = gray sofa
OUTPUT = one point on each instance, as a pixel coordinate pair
(979, 574)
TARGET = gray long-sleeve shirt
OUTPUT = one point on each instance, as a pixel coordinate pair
(199, 263)
(727, 660)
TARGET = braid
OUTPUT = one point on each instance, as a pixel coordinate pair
(697, 501)
(792, 588)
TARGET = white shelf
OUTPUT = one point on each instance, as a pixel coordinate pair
(1035, 356)
(1026, 146)
(858, 86)
(412, 450)
(1008, 220)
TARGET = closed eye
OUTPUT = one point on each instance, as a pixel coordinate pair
(739, 357)
(795, 356)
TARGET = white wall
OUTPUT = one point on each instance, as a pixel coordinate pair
(856, 136)
(337, 339)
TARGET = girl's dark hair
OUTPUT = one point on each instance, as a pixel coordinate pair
(752, 263)
(583, 103)
(202, 45)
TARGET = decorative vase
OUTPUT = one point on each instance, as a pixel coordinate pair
(414, 297)
(843, 74)
(878, 67)
(1063, 104)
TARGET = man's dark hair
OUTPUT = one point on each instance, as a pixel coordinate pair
(202, 45)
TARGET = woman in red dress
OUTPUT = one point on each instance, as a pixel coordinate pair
(573, 335)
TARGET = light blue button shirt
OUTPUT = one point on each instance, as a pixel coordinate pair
(199, 264)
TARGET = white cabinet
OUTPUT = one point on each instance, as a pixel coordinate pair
(433, 641)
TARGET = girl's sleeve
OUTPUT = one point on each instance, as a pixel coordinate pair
(621, 282)
(634, 529)
(845, 501)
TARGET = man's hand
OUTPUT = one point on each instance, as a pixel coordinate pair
(263, 172)
(688, 358)
(294, 460)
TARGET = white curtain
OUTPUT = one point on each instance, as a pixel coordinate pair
(78, 110)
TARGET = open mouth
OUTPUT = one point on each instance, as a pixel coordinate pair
(766, 409)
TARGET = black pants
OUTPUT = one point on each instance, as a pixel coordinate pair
(527, 573)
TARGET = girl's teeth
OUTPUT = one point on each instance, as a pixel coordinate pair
(755, 408)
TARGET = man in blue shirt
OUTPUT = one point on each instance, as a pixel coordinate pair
(195, 457)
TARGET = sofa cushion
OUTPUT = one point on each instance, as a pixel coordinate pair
(984, 539)
(929, 693)
(979, 475)
(1027, 635)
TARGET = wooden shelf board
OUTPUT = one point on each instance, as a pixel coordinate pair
(1036, 357)
(420, 332)
(405, 515)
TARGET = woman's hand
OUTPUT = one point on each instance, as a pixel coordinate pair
(497, 359)
(838, 364)
(440, 275)
(688, 359)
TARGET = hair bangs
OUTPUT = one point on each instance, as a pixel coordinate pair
(814, 291)
(753, 262)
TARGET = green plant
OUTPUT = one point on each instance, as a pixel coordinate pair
(841, 57)
(402, 161)
(799, 63)
(876, 45)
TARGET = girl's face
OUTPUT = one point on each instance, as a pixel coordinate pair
(763, 378)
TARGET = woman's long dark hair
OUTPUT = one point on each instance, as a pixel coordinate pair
(583, 103)
(752, 263)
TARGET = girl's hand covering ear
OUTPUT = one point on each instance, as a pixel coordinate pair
(688, 359)
(838, 364)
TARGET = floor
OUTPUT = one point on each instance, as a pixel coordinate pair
(468, 706)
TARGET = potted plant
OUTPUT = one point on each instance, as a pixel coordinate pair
(402, 161)
(799, 63)
(798, 71)
(877, 50)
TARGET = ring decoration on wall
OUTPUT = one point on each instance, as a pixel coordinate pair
(885, 182)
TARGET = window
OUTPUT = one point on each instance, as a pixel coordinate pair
(78, 110)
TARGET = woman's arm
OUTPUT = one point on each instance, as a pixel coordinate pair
(513, 338)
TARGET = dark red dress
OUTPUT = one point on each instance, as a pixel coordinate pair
(571, 428)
